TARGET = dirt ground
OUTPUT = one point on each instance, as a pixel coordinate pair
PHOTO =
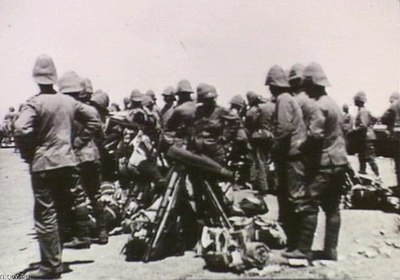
(367, 247)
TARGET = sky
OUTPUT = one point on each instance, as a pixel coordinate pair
(231, 44)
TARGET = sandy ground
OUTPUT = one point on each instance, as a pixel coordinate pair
(363, 233)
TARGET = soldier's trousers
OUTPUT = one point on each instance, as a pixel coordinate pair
(52, 212)
(292, 197)
(325, 190)
(90, 180)
(367, 155)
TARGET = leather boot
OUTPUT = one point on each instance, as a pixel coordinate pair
(81, 239)
(331, 236)
(50, 253)
(307, 229)
(78, 243)
(42, 274)
(102, 235)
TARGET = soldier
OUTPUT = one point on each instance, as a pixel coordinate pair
(89, 168)
(137, 114)
(127, 103)
(391, 118)
(208, 125)
(201, 91)
(100, 100)
(169, 99)
(154, 108)
(325, 188)
(44, 136)
(236, 142)
(258, 123)
(364, 129)
(153, 118)
(238, 104)
(348, 120)
(181, 120)
(394, 97)
(312, 116)
(290, 132)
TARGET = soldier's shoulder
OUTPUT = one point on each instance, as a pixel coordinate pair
(187, 106)
(267, 106)
(285, 97)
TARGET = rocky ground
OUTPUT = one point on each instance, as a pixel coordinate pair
(369, 243)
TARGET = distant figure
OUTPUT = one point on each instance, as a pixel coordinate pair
(348, 120)
(169, 100)
(391, 118)
(363, 125)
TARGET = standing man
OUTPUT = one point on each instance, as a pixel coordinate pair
(89, 168)
(325, 188)
(260, 138)
(364, 128)
(290, 132)
(348, 120)
(44, 136)
(312, 115)
(391, 118)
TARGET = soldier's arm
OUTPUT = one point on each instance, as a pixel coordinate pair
(388, 117)
(91, 122)
(317, 122)
(24, 132)
(363, 119)
(173, 121)
(284, 126)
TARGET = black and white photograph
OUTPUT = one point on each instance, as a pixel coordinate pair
(200, 139)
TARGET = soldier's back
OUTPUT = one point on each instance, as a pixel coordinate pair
(52, 118)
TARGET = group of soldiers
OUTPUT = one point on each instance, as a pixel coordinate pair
(74, 141)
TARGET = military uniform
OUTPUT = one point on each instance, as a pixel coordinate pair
(44, 136)
(166, 113)
(90, 181)
(325, 186)
(259, 125)
(391, 118)
(363, 125)
(290, 133)
(180, 123)
(208, 129)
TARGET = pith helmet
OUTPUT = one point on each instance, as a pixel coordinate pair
(238, 100)
(136, 96)
(314, 73)
(360, 96)
(252, 97)
(168, 91)
(296, 72)
(201, 91)
(210, 92)
(44, 71)
(147, 100)
(101, 99)
(394, 97)
(126, 100)
(152, 94)
(70, 82)
(276, 77)
(184, 86)
(88, 85)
